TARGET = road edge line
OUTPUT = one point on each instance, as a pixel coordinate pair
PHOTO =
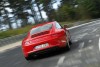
(10, 46)
(99, 43)
(80, 25)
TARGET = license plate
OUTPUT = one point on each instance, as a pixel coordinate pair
(42, 46)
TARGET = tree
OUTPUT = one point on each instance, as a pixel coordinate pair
(4, 14)
(18, 7)
(48, 8)
(89, 8)
(65, 13)
(39, 8)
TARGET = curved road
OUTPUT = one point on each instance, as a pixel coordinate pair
(85, 51)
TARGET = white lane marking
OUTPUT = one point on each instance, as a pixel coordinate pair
(75, 40)
(60, 61)
(99, 43)
(81, 36)
(81, 45)
(78, 37)
(90, 41)
(85, 30)
(85, 49)
(80, 25)
(95, 30)
(97, 35)
(95, 23)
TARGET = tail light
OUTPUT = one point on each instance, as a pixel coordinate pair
(27, 43)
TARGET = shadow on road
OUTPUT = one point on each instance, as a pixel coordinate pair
(74, 46)
(49, 54)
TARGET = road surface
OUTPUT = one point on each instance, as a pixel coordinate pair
(85, 51)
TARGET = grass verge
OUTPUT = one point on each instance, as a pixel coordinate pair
(68, 23)
(14, 32)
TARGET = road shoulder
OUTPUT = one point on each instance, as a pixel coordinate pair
(10, 46)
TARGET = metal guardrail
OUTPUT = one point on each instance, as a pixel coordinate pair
(12, 39)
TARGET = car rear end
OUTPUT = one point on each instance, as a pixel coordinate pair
(47, 38)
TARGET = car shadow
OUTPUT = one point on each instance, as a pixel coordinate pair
(49, 54)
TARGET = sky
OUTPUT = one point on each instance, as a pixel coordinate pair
(55, 6)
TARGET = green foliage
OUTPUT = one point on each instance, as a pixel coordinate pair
(48, 8)
(89, 8)
(78, 9)
(65, 13)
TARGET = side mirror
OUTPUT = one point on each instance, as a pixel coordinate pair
(65, 26)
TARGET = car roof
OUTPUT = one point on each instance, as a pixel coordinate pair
(42, 24)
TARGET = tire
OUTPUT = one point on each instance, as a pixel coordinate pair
(69, 37)
(68, 47)
(28, 58)
(70, 42)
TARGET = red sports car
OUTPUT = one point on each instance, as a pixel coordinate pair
(44, 37)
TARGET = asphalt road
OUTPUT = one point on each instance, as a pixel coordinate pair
(85, 51)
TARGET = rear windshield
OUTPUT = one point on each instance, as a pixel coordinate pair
(40, 29)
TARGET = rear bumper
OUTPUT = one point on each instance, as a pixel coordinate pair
(54, 43)
(49, 50)
(42, 51)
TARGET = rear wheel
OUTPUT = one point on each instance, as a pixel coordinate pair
(28, 58)
(68, 37)
(70, 42)
(68, 46)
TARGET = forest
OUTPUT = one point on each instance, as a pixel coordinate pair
(22, 10)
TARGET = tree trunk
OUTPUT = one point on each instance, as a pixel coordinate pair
(16, 23)
(34, 13)
(9, 23)
(40, 12)
(15, 19)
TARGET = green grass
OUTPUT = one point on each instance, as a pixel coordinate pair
(68, 23)
(14, 32)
